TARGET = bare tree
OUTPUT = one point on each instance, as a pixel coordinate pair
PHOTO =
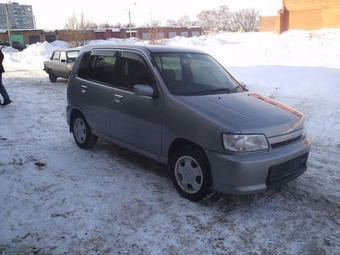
(245, 19)
(104, 25)
(77, 33)
(127, 25)
(78, 22)
(152, 23)
(171, 23)
(183, 21)
(208, 21)
(224, 18)
(156, 32)
(118, 25)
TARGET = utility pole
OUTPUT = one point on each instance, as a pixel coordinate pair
(8, 26)
(129, 11)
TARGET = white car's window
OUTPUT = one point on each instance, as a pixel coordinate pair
(56, 55)
(62, 56)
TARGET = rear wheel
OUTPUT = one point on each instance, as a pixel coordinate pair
(82, 132)
(191, 173)
(52, 77)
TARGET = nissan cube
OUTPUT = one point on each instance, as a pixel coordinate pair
(182, 108)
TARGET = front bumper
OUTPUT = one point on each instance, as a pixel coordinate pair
(240, 174)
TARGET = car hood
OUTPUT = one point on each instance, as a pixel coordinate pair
(249, 112)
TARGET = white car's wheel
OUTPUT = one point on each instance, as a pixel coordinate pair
(52, 77)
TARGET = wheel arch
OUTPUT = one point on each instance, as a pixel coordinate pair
(81, 130)
(73, 114)
(182, 148)
(181, 142)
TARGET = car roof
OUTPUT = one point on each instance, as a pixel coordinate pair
(68, 49)
(142, 48)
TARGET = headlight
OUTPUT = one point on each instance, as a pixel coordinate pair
(244, 143)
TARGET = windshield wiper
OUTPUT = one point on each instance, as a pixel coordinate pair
(218, 91)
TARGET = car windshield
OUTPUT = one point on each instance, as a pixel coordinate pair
(194, 74)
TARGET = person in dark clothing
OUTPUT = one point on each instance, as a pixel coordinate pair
(3, 90)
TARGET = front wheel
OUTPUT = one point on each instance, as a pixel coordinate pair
(82, 132)
(191, 173)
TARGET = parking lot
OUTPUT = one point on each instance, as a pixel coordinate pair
(58, 199)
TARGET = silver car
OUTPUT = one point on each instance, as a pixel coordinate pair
(182, 108)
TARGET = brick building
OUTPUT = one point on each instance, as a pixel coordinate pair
(31, 36)
(303, 14)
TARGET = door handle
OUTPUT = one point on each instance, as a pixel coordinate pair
(117, 98)
(83, 88)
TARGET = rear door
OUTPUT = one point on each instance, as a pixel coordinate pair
(61, 68)
(96, 76)
(54, 63)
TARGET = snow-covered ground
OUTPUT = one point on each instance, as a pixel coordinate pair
(58, 199)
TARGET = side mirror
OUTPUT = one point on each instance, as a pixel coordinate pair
(243, 85)
(143, 90)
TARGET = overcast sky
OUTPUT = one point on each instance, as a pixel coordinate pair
(54, 14)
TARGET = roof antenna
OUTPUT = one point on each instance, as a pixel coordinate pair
(143, 42)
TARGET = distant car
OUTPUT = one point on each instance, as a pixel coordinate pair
(19, 46)
(182, 108)
(60, 64)
(16, 45)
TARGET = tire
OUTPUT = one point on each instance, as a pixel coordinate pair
(52, 77)
(191, 175)
(82, 132)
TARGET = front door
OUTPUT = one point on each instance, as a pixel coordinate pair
(136, 120)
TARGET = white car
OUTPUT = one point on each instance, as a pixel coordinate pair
(61, 63)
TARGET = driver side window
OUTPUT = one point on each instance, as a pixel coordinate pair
(56, 55)
(134, 70)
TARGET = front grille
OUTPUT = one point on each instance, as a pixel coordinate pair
(287, 171)
(284, 143)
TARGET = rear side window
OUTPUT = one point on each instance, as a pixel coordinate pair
(99, 66)
(62, 56)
